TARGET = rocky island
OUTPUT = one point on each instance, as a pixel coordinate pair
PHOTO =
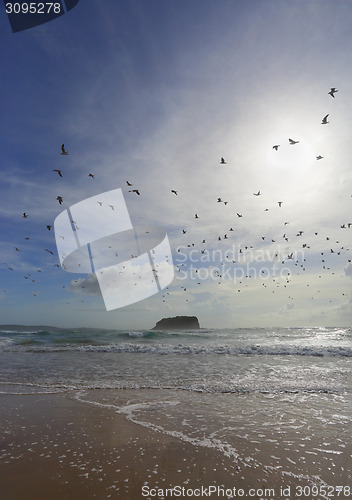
(178, 323)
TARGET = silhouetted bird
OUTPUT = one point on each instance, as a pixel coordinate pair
(257, 194)
(292, 142)
(58, 171)
(276, 147)
(24, 215)
(173, 191)
(332, 91)
(59, 199)
(91, 175)
(63, 150)
(135, 191)
(319, 157)
(325, 120)
(128, 183)
(222, 161)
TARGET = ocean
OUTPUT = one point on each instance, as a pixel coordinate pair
(231, 390)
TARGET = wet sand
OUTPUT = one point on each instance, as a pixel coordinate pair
(53, 446)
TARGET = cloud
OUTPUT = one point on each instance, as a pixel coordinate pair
(348, 270)
(89, 286)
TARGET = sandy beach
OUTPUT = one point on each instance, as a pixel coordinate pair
(53, 446)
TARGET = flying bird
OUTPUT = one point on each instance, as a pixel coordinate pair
(48, 227)
(332, 91)
(173, 191)
(59, 199)
(24, 215)
(222, 161)
(257, 194)
(128, 183)
(279, 203)
(58, 171)
(319, 157)
(134, 191)
(276, 147)
(325, 120)
(63, 150)
(292, 142)
(91, 175)
(196, 216)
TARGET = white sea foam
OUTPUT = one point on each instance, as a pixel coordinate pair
(167, 349)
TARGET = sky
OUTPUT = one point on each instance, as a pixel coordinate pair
(155, 93)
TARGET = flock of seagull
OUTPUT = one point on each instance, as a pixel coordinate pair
(289, 256)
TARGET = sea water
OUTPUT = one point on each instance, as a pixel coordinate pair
(274, 398)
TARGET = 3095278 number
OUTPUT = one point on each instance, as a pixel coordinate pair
(327, 491)
(33, 8)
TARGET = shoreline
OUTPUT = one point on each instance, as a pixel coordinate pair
(57, 447)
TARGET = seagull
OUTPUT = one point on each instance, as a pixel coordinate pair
(49, 227)
(325, 120)
(58, 171)
(173, 191)
(91, 175)
(276, 147)
(49, 251)
(128, 183)
(63, 150)
(239, 215)
(24, 215)
(332, 91)
(196, 216)
(222, 161)
(319, 157)
(279, 203)
(135, 191)
(219, 200)
(59, 199)
(257, 194)
(292, 142)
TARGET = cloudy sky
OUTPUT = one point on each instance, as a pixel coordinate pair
(156, 93)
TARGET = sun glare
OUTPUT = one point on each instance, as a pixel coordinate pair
(299, 153)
